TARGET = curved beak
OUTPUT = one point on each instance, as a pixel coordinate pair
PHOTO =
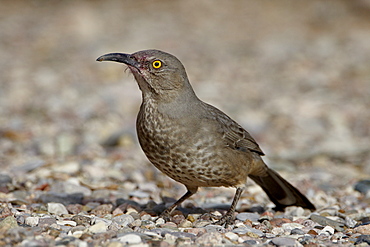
(120, 58)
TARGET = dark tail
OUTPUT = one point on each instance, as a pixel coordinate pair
(281, 192)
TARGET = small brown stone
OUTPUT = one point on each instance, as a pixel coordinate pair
(279, 221)
(102, 210)
(196, 231)
(312, 232)
(5, 212)
(74, 208)
(364, 229)
(81, 220)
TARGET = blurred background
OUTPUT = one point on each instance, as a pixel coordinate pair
(295, 74)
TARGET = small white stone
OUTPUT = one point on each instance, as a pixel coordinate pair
(136, 223)
(216, 213)
(57, 208)
(69, 167)
(115, 244)
(232, 236)
(98, 227)
(285, 241)
(239, 224)
(294, 211)
(83, 244)
(248, 216)
(67, 223)
(123, 220)
(291, 226)
(160, 221)
(32, 221)
(77, 234)
(186, 224)
(131, 210)
(277, 231)
(327, 229)
(139, 194)
(130, 238)
(146, 217)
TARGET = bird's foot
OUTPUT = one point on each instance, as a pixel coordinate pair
(226, 220)
(166, 215)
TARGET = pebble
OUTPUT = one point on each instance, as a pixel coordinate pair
(148, 217)
(297, 231)
(209, 238)
(279, 221)
(285, 241)
(123, 220)
(324, 221)
(248, 229)
(147, 224)
(102, 210)
(363, 186)
(5, 179)
(290, 226)
(200, 223)
(168, 225)
(98, 219)
(130, 238)
(139, 194)
(5, 211)
(68, 167)
(185, 224)
(77, 234)
(250, 242)
(67, 223)
(351, 223)
(160, 221)
(8, 223)
(363, 239)
(74, 208)
(29, 166)
(248, 216)
(136, 223)
(46, 221)
(363, 229)
(75, 198)
(214, 228)
(277, 231)
(98, 227)
(81, 219)
(57, 208)
(197, 231)
(182, 235)
(115, 244)
(73, 188)
(32, 221)
(327, 229)
(294, 211)
(232, 236)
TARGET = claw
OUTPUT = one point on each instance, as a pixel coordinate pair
(226, 220)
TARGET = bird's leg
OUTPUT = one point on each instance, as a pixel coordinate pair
(229, 216)
(167, 213)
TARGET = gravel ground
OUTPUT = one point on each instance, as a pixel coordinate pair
(296, 74)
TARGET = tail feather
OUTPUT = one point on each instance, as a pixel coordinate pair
(281, 192)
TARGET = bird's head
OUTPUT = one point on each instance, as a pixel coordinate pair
(158, 73)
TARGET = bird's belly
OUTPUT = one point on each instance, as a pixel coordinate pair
(189, 158)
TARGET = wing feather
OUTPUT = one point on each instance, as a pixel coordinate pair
(234, 135)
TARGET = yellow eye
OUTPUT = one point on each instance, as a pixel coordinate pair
(157, 64)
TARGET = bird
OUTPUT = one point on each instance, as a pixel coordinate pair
(193, 142)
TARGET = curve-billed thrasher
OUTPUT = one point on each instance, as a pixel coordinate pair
(193, 142)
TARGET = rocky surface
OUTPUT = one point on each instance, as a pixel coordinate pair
(294, 73)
